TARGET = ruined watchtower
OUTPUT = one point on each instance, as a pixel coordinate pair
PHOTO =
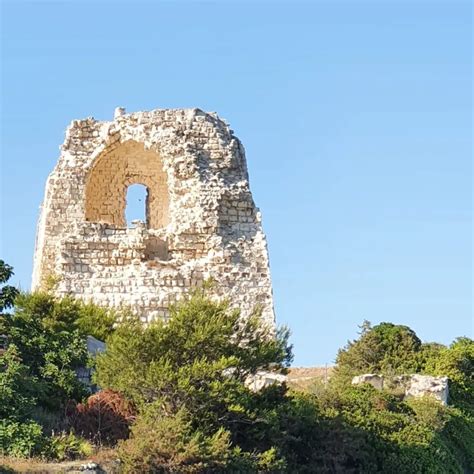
(201, 221)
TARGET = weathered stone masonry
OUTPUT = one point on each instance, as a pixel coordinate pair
(201, 219)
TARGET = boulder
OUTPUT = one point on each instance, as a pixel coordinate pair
(372, 379)
(421, 385)
(264, 379)
(414, 385)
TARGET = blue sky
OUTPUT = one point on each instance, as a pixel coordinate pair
(355, 116)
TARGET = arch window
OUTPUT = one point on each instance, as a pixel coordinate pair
(127, 183)
(136, 206)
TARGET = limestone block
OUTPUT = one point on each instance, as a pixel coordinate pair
(372, 379)
(427, 385)
(412, 385)
(264, 379)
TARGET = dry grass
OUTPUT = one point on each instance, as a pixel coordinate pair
(301, 378)
(104, 457)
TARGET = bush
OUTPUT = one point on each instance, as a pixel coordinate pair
(50, 346)
(457, 363)
(17, 388)
(104, 418)
(169, 444)
(161, 443)
(199, 362)
(21, 439)
(45, 339)
(67, 446)
(416, 435)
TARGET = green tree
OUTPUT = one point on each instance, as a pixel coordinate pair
(50, 335)
(457, 363)
(8, 293)
(413, 435)
(17, 387)
(48, 342)
(384, 349)
(199, 361)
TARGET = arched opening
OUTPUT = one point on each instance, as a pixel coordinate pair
(136, 205)
(113, 173)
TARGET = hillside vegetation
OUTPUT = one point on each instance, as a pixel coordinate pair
(175, 396)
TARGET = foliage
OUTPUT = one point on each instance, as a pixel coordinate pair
(45, 344)
(94, 320)
(384, 349)
(8, 293)
(387, 434)
(67, 446)
(17, 387)
(177, 394)
(199, 362)
(21, 439)
(50, 346)
(457, 363)
(420, 434)
(50, 336)
(187, 379)
(104, 418)
(169, 444)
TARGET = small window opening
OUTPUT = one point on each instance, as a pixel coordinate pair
(137, 203)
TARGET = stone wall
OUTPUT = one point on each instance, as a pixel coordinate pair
(201, 219)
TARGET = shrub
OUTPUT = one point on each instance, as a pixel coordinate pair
(104, 418)
(161, 443)
(457, 363)
(199, 362)
(45, 344)
(49, 345)
(169, 444)
(66, 446)
(21, 439)
(17, 387)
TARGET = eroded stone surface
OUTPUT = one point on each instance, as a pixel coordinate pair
(201, 219)
(414, 385)
(421, 385)
(372, 379)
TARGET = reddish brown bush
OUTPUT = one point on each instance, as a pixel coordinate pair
(104, 419)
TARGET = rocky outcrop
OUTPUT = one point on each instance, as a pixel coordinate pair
(372, 379)
(421, 385)
(415, 385)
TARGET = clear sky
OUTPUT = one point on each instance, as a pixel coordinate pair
(355, 116)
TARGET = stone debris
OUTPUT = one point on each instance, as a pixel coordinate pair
(90, 467)
(201, 220)
(372, 379)
(436, 387)
(264, 379)
(414, 385)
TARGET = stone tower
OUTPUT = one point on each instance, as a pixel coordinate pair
(201, 221)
